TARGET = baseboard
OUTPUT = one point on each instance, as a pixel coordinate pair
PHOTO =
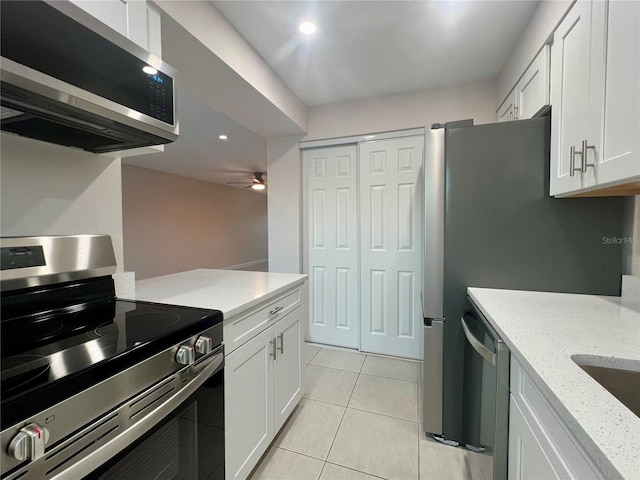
(240, 266)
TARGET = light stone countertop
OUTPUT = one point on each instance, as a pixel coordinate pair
(543, 330)
(231, 291)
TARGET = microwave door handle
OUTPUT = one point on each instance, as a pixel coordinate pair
(477, 345)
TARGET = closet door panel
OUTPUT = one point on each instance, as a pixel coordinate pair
(331, 237)
(391, 216)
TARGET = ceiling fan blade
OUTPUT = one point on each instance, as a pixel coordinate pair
(238, 183)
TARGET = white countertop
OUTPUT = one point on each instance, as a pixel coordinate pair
(543, 330)
(231, 291)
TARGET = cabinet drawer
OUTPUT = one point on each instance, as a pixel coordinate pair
(243, 327)
(568, 457)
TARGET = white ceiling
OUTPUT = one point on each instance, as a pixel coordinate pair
(361, 49)
(199, 153)
(365, 49)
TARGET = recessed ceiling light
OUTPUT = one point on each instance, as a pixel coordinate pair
(149, 70)
(307, 28)
(223, 137)
(258, 186)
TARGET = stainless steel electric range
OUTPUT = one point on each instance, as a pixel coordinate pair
(98, 387)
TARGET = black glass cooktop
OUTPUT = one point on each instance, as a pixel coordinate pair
(47, 358)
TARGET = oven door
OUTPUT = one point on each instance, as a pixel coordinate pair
(187, 444)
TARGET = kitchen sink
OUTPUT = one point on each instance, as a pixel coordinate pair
(624, 384)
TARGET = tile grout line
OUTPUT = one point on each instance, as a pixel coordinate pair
(359, 409)
(314, 355)
(298, 453)
(344, 413)
(356, 470)
(322, 469)
(388, 378)
(382, 415)
(332, 368)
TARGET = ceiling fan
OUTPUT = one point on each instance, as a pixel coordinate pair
(257, 183)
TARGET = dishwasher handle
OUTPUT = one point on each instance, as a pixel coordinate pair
(477, 345)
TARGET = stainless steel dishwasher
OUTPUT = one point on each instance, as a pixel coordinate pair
(486, 391)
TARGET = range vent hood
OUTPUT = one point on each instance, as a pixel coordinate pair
(68, 79)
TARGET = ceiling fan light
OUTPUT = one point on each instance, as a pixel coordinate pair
(258, 186)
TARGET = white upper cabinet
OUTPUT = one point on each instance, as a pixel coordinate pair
(570, 62)
(531, 93)
(132, 18)
(595, 93)
(619, 107)
(507, 110)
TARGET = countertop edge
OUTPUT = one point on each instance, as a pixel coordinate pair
(236, 291)
(235, 312)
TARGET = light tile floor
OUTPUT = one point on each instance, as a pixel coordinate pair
(359, 420)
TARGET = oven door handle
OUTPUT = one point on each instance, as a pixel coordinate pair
(210, 364)
(477, 345)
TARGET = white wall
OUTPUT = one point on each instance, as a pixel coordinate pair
(53, 190)
(395, 112)
(401, 111)
(246, 88)
(546, 17)
(174, 223)
(284, 198)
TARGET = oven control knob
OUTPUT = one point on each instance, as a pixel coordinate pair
(204, 345)
(185, 355)
(29, 443)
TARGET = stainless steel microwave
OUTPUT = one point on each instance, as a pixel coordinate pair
(67, 78)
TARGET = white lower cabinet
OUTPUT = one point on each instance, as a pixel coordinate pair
(540, 446)
(287, 380)
(263, 384)
(527, 458)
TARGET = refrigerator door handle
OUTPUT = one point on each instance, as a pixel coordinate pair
(434, 206)
(477, 345)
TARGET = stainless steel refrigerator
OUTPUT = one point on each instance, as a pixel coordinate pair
(490, 222)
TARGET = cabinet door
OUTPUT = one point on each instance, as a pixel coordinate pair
(570, 70)
(617, 137)
(127, 17)
(288, 371)
(331, 239)
(506, 112)
(532, 91)
(248, 384)
(527, 459)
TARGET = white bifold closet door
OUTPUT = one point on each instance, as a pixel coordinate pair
(363, 245)
(391, 254)
(331, 228)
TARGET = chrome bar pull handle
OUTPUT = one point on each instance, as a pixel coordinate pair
(275, 310)
(515, 113)
(272, 344)
(586, 165)
(572, 161)
(281, 337)
(477, 345)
